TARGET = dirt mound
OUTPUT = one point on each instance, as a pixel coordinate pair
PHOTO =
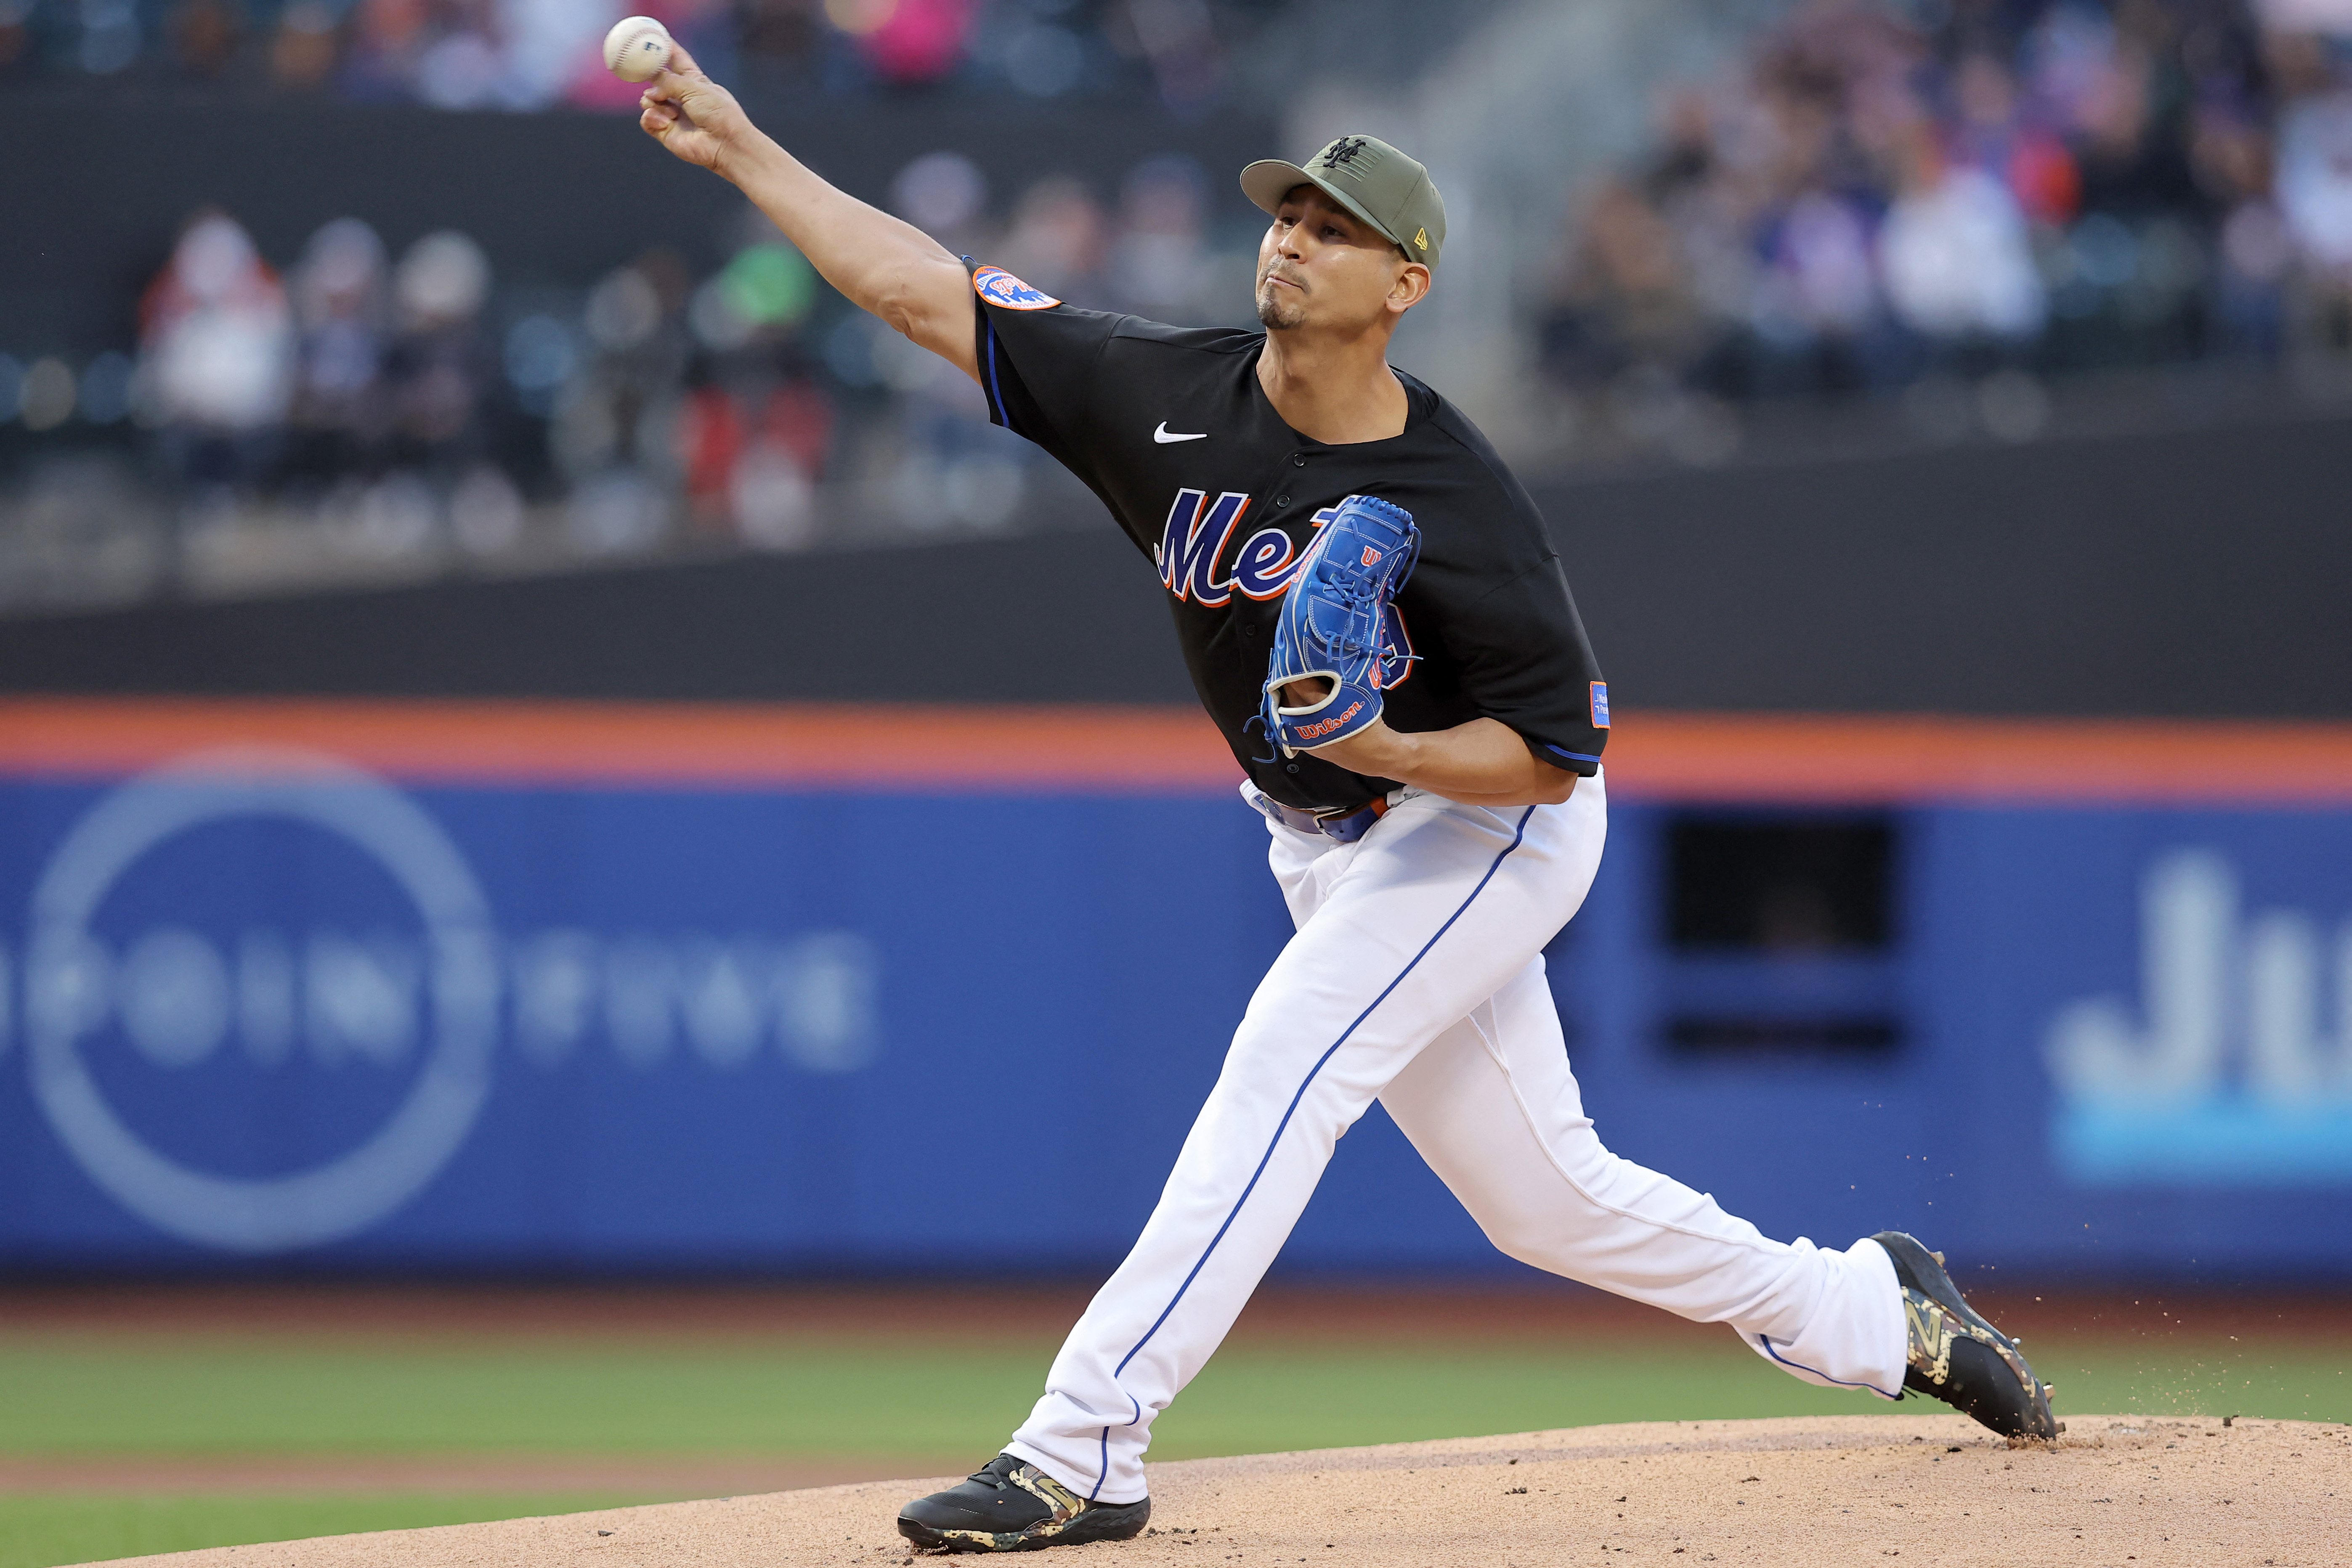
(1803, 1493)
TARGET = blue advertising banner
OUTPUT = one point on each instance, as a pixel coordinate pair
(299, 1010)
(273, 1007)
(2126, 1048)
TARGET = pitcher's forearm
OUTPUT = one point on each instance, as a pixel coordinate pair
(1482, 762)
(879, 263)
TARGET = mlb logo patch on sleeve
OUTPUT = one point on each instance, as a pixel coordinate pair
(999, 287)
(1600, 705)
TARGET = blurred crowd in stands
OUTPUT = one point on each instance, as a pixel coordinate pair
(1975, 192)
(1955, 209)
(346, 411)
(538, 54)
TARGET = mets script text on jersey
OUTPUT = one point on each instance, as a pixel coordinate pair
(1193, 542)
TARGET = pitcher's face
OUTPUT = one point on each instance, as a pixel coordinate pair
(1322, 266)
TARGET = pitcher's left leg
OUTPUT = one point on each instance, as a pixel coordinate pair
(1493, 1108)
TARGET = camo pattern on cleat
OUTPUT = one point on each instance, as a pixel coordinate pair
(1008, 1505)
(1957, 1356)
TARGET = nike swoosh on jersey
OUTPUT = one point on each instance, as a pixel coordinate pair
(1163, 434)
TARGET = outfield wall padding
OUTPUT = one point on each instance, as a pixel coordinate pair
(372, 988)
(2177, 575)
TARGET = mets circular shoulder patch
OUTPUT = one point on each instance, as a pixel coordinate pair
(999, 287)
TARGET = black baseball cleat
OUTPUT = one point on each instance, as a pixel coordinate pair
(1011, 1505)
(1958, 1357)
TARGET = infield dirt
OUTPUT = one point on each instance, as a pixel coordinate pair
(1797, 1493)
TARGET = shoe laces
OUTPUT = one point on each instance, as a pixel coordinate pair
(997, 1472)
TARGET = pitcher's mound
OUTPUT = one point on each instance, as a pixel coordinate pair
(1807, 1493)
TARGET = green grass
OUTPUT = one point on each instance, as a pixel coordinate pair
(64, 1395)
(41, 1530)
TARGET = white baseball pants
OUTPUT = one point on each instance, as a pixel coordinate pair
(1417, 977)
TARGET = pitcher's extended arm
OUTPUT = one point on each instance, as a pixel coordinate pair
(879, 263)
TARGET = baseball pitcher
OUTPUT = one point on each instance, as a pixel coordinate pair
(1375, 619)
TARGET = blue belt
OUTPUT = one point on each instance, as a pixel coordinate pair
(1346, 825)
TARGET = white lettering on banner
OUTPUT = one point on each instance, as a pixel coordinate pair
(68, 979)
(358, 1003)
(174, 993)
(2235, 1070)
(815, 996)
(2289, 1057)
(719, 996)
(826, 988)
(421, 1008)
(361, 999)
(178, 1000)
(556, 986)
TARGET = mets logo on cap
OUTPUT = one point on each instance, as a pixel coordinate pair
(999, 287)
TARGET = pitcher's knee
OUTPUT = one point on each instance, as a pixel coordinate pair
(1262, 1058)
(1545, 1225)
(1583, 1163)
(1527, 1242)
(1582, 1196)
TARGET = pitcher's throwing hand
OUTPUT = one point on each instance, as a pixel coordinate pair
(689, 113)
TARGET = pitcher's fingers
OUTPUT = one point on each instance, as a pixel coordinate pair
(680, 62)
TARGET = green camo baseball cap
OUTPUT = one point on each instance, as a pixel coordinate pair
(1369, 178)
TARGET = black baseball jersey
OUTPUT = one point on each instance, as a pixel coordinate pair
(1169, 427)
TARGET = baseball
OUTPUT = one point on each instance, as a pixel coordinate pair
(636, 48)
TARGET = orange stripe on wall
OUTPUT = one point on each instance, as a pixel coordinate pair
(1870, 759)
(1794, 758)
(1123, 750)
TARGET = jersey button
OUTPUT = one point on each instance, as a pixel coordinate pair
(1282, 500)
(1297, 459)
(1290, 767)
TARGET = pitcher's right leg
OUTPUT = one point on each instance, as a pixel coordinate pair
(1426, 914)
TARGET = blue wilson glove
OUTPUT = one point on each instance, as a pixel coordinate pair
(1337, 623)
